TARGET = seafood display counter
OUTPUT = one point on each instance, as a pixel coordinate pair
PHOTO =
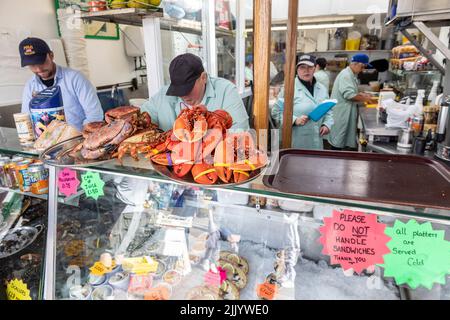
(138, 235)
(120, 230)
(23, 223)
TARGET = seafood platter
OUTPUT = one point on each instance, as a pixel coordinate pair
(125, 131)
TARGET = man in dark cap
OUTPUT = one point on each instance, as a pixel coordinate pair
(81, 103)
(190, 86)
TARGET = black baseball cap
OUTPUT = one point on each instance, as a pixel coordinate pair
(184, 70)
(307, 59)
(33, 51)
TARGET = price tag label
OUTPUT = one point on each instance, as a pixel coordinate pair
(68, 182)
(215, 279)
(99, 269)
(266, 291)
(212, 279)
(92, 185)
(17, 290)
(158, 293)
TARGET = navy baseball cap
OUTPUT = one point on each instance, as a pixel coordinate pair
(361, 58)
(307, 59)
(33, 51)
(184, 70)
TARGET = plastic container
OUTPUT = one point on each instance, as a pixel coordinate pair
(103, 293)
(433, 93)
(24, 128)
(352, 44)
(46, 107)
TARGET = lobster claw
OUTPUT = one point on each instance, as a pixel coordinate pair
(186, 152)
(182, 169)
(163, 159)
(209, 143)
(204, 174)
(240, 176)
(223, 172)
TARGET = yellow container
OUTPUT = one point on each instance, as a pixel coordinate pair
(352, 44)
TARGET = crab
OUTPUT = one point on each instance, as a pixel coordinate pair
(142, 142)
(92, 127)
(130, 114)
(104, 140)
(120, 123)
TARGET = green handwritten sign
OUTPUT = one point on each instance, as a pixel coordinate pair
(419, 255)
(92, 184)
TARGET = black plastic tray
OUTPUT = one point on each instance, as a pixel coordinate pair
(393, 179)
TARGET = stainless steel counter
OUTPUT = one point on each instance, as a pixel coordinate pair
(372, 126)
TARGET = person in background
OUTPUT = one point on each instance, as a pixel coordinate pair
(191, 86)
(81, 103)
(308, 94)
(248, 69)
(320, 74)
(345, 113)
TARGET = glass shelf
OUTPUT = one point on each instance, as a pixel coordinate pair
(401, 73)
(9, 143)
(143, 169)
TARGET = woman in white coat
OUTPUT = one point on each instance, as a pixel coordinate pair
(308, 94)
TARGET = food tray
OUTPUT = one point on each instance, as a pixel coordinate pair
(393, 179)
(58, 155)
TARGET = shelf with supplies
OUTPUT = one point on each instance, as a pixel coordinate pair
(190, 26)
(126, 16)
(401, 73)
(350, 51)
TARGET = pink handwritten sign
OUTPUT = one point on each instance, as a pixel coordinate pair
(215, 279)
(354, 240)
(68, 182)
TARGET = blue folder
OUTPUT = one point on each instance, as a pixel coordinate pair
(322, 109)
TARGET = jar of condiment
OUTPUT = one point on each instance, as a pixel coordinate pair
(38, 176)
(430, 114)
(3, 173)
(417, 124)
(11, 176)
(24, 128)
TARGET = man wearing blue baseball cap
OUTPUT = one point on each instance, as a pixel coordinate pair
(81, 103)
(345, 113)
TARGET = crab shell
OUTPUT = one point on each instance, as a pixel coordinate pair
(92, 127)
(126, 113)
(104, 135)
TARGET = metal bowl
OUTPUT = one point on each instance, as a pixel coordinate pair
(58, 155)
(188, 180)
(20, 239)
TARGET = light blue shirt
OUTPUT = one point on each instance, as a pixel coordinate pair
(81, 103)
(307, 136)
(219, 94)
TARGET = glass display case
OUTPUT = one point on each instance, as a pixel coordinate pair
(408, 82)
(23, 225)
(147, 237)
(131, 233)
